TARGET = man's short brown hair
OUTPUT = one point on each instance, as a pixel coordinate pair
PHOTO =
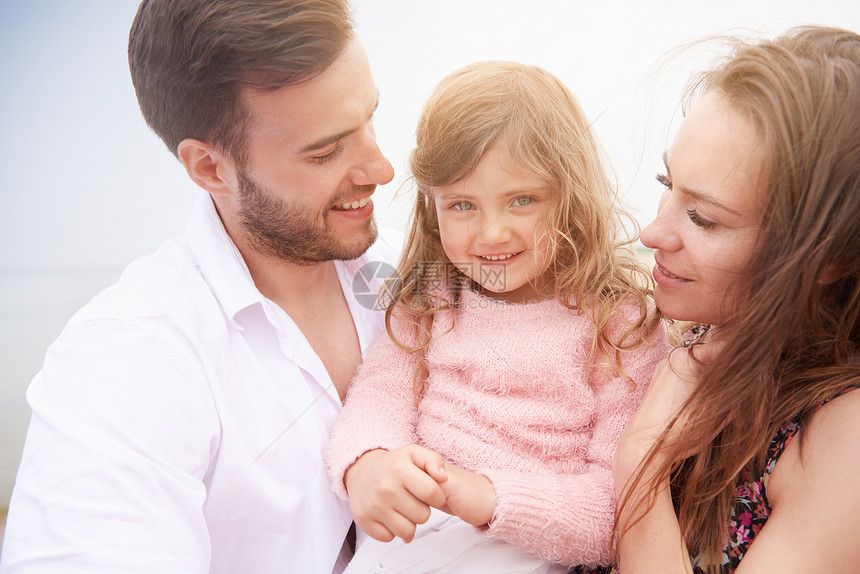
(191, 59)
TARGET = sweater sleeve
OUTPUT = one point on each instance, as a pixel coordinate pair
(569, 518)
(379, 411)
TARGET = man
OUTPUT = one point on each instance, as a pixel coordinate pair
(179, 420)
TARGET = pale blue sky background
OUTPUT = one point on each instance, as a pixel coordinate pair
(83, 183)
(85, 187)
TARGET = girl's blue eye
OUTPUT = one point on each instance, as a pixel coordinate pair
(523, 201)
(698, 221)
(462, 206)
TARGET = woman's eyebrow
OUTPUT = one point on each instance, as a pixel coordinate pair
(696, 194)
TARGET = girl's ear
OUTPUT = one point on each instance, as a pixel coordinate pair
(831, 272)
(208, 167)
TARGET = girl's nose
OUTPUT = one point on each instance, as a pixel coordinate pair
(494, 230)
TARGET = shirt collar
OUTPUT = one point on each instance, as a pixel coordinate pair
(220, 261)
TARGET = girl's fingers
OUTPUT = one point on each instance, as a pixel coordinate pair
(430, 462)
(377, 531)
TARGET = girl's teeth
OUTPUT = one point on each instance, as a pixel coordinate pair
(498, 257)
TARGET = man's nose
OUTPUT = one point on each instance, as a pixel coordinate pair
(373, 167)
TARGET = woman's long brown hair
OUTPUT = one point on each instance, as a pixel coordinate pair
(792, 341)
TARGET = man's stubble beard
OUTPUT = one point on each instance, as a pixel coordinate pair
(289, 233)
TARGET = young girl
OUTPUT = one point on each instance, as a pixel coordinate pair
(521, 342)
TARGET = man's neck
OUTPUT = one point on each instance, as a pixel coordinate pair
(293, 287)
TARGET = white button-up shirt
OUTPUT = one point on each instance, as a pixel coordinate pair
(179, 424)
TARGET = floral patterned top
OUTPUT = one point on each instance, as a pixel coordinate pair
(752, 508)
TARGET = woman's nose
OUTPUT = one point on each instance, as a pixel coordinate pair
(660, 234)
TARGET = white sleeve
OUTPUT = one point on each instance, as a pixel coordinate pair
(120, 440)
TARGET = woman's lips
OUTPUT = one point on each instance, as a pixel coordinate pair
(664, 277)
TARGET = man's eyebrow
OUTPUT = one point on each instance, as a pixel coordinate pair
(328, 140)
(695, 194)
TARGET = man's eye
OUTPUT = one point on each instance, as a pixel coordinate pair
(329, 156)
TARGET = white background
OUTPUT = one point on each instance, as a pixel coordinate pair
(85, 187)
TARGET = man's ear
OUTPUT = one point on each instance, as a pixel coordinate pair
(208, 167)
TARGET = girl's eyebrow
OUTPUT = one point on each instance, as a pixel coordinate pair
(527, 190)
(696, 194)
(458, 193)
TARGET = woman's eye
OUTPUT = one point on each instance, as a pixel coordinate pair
(462, 206)
(698, 221)
(523, 201)
(664, 180)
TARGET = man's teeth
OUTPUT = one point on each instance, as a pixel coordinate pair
(497, 257)
(354, 204)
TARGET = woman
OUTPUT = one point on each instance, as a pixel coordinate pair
(758, 236)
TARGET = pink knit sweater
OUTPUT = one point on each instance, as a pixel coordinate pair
(509, 395)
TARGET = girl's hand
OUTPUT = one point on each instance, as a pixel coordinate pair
(390, 492)
(468, 495)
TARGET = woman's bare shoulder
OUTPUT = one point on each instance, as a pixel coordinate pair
(829, 446)
(813, 493)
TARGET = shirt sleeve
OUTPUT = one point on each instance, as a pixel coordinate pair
(380, 409)
(569, 518)
(112, 475)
